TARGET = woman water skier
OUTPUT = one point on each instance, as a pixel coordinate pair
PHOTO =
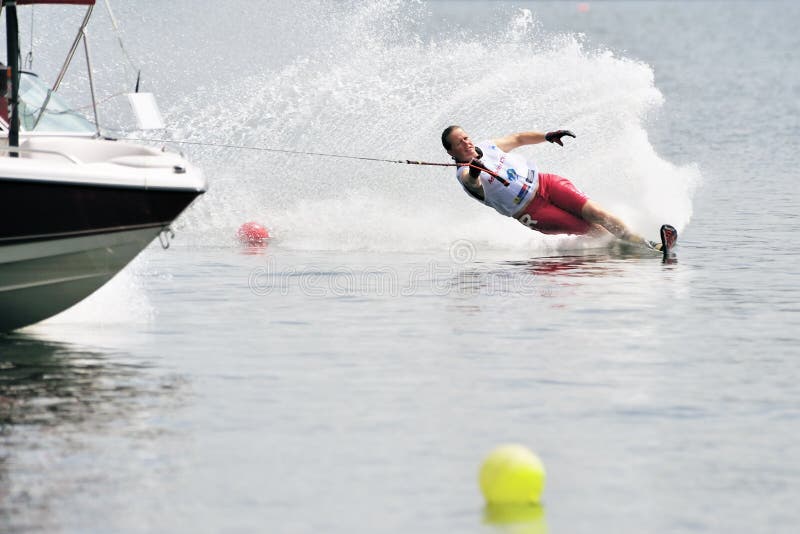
(547, 203)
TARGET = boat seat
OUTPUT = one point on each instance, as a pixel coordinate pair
(97, 151)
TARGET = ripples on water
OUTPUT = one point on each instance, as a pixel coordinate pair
(370, 385)
(71, 421)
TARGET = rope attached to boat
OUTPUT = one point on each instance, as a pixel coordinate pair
(326, 155)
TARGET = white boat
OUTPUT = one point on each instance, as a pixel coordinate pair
(75, 207)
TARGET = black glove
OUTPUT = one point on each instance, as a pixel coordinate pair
(555, 137)
(475, 169)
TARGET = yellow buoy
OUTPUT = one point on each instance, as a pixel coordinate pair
(512, 474)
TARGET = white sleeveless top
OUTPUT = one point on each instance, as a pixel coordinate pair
(522, 177)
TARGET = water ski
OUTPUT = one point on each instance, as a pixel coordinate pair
(669, 236)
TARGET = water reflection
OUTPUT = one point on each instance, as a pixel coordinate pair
(527, 277)
(516, 518)
(592, 263)
(59, 403)
(254, 249)
(48, 383)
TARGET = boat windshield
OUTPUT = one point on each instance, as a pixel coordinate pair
(57, 116)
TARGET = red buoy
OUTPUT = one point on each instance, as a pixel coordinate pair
(252, 232)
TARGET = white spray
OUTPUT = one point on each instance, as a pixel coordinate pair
(370, 91)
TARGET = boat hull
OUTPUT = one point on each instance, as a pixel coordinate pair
(34, 210)
(59, 242)
(43, 278)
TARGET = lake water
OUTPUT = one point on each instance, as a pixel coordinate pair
(351, 375)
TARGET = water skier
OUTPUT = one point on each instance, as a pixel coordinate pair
(547, 203)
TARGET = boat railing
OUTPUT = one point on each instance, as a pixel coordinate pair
(73, 159)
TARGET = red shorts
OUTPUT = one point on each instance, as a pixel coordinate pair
(556, 208)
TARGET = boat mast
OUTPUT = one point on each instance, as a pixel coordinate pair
(12, 46)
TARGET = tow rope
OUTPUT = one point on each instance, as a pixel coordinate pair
(326, 155)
